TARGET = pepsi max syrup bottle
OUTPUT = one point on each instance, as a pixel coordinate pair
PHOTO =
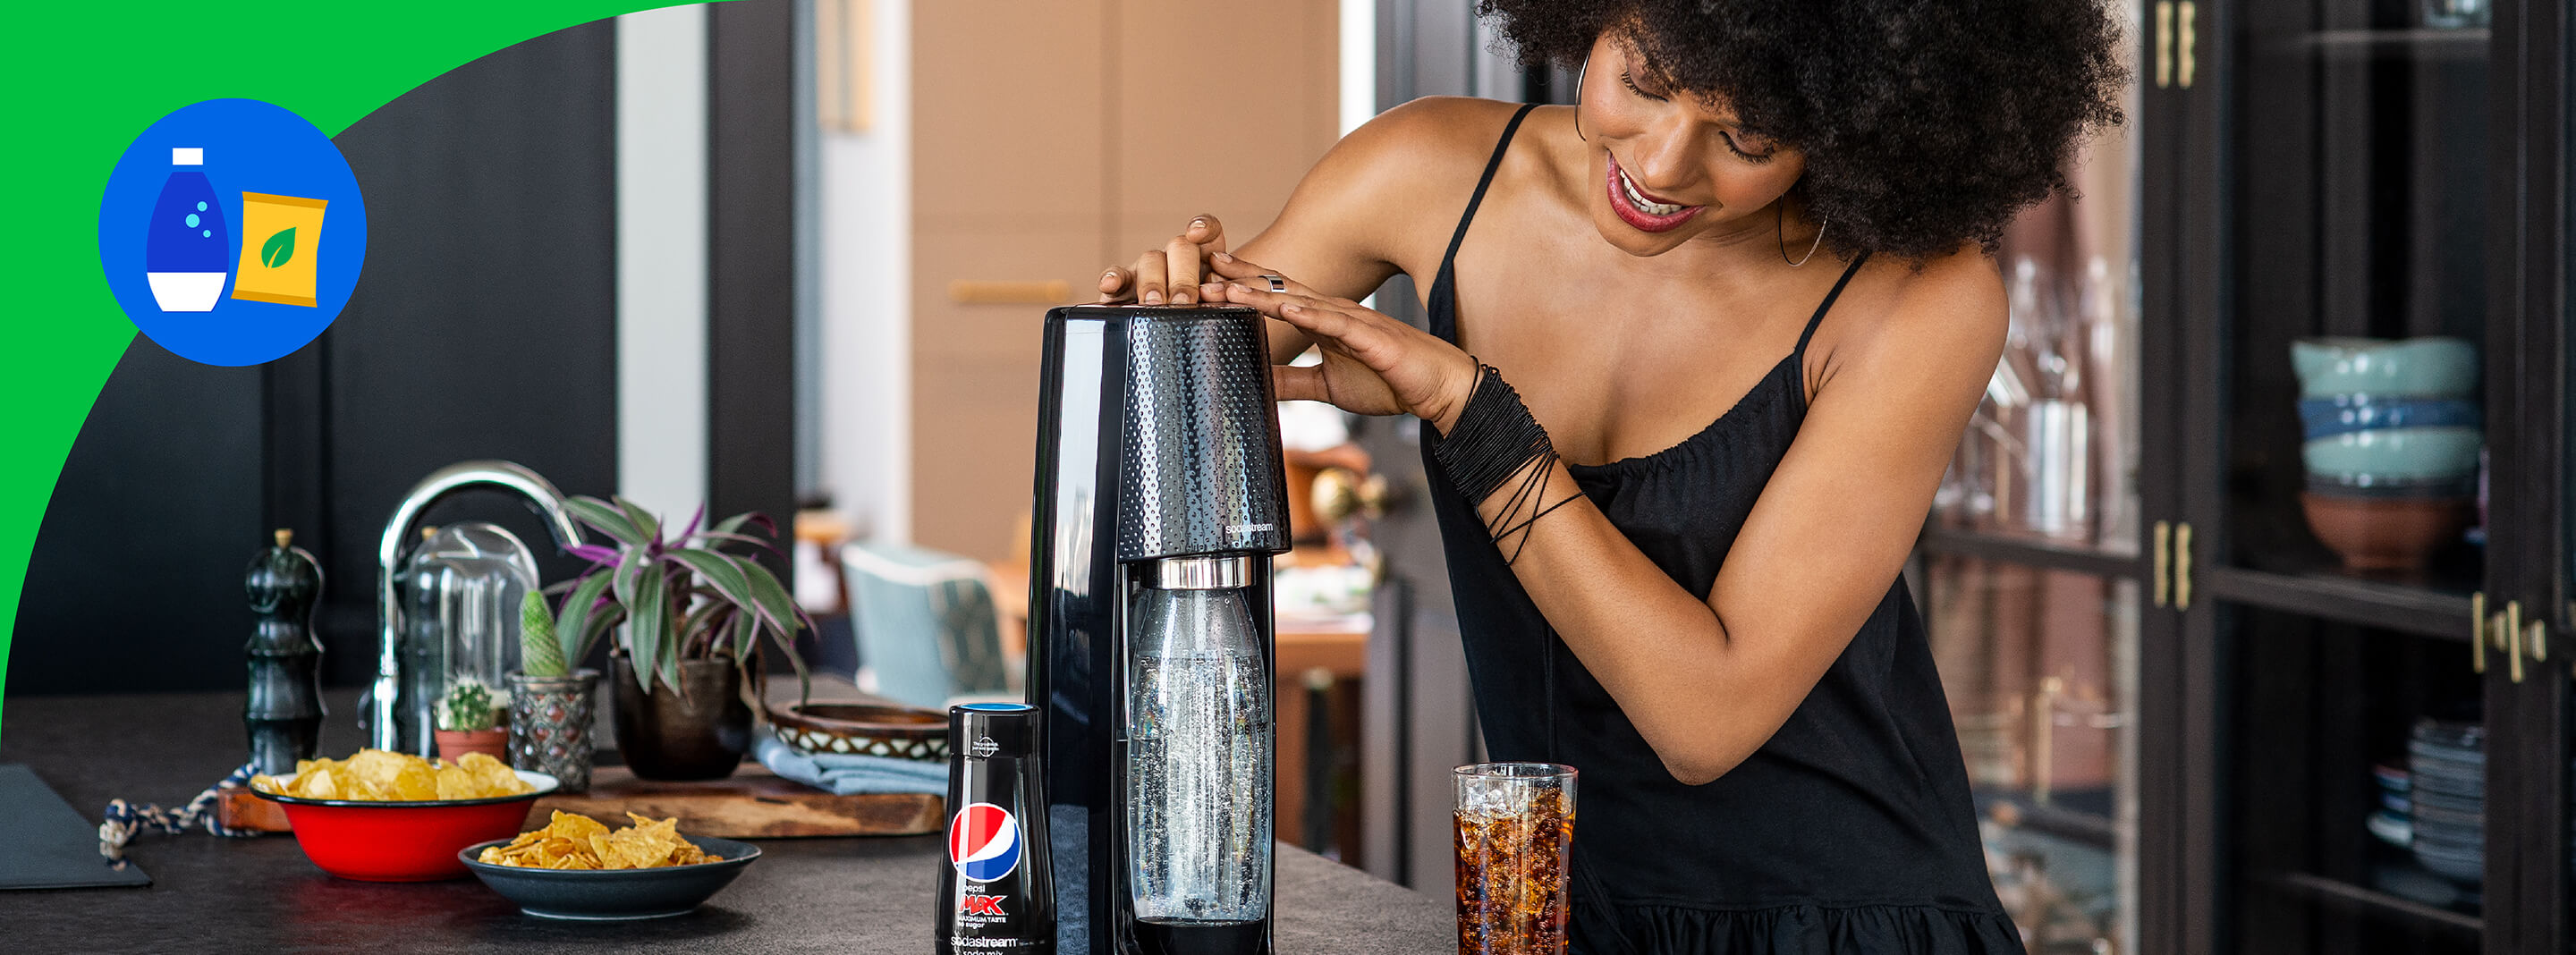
(996, 885)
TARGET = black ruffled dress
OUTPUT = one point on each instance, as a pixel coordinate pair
(1850, 831)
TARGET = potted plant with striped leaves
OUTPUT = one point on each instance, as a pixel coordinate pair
(690, 613)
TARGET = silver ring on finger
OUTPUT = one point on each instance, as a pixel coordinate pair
(1277, 283)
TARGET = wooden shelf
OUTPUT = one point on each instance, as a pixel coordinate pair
(2370, 900)
(2392, 606)
(2421, 37)
(2407, 606)
(2074, 825)
(2423, 43)
(1984, 545)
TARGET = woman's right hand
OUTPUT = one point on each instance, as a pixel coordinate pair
(1170, 274)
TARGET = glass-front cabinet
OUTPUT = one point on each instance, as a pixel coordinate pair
(2362, 266)
(2252, 583)
(2337, 512)
(2040, 666)
(2033, 572)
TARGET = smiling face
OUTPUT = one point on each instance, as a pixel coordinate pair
(1671, 165)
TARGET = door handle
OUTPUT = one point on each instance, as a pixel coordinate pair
(2182, 567)
(1000, 292)
(2164, 563)
(2478, 632)
(2511, 634)
(2185, 44)
(2164, 43)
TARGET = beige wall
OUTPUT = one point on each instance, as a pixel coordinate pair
(1050, 138)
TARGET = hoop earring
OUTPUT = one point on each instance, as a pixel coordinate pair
(1776, 215)
(1578, 97)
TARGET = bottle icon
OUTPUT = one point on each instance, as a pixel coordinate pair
(186, 246)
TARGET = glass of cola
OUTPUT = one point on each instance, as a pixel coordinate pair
(1515, 830)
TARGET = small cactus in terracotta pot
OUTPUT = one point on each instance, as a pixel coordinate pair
(467, 723)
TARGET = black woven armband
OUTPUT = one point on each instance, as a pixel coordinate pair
(1493, 438)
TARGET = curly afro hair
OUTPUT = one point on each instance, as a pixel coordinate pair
(1925, 125)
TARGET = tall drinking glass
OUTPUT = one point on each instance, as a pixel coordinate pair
(1515, 830)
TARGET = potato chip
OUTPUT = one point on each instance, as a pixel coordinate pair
(418, 783)
(456, 784)
(579, 842)
(376, 771)
(375, 774)
(493, 774)
(576, 826)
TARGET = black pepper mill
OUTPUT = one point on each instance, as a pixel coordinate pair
(284, 715)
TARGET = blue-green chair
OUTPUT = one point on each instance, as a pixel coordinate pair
(926, 625)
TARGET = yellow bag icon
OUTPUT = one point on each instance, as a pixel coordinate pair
(281, 239)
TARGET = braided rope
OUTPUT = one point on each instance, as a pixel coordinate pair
(125, 820)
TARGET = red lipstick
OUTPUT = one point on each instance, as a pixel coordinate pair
(1637, 218)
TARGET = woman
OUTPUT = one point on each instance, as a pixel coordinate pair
(1700, 348)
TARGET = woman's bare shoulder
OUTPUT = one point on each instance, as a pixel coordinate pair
(1400, 180)
(1436, 129)
(1951, 309)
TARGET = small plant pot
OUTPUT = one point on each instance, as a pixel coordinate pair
(550, 725)
(454, 744)
(700, 732)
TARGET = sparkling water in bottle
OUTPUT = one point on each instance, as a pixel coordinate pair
(1198, 760)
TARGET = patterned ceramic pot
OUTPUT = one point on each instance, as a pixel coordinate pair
(550, 725)
(860, 729)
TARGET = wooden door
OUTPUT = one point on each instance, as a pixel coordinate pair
(1051, 138)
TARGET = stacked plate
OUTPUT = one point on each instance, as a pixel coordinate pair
(2394, 821)
(2393, 441)
(2446, 766)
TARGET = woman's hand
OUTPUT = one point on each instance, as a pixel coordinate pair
(1373, 364)
(1170, 274)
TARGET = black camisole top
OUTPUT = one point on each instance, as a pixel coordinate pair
(1850, 830)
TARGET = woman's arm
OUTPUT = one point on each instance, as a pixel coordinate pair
(1364, 210)
(1707, 683)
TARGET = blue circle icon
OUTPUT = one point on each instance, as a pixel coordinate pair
(232, 232)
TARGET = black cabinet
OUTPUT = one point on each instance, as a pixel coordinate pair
(2257, 630)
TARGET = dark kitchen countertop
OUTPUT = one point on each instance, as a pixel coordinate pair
(251, 895)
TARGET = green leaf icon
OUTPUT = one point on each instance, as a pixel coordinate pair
(278, 249)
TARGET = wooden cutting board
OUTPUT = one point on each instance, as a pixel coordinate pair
(754, 804)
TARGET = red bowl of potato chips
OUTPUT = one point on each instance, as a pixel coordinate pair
(386, 817)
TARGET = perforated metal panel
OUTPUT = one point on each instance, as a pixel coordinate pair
(1201, 472)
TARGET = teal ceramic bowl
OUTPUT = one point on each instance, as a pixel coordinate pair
(2430, 367)
(611, 895)
(2341, 414)
(2395, 454)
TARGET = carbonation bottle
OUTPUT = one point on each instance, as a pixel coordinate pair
(1199, 753)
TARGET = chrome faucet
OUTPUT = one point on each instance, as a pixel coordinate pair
(383, 732)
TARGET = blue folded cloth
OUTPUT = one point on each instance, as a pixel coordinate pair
(850, 775)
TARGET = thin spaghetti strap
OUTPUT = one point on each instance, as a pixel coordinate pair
(1479, 198)
(1848, 272)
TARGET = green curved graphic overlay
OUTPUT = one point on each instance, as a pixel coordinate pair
(93, 76)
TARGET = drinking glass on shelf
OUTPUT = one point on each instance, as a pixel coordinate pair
(1515, 834)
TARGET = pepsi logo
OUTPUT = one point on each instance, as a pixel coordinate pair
(984, 842)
